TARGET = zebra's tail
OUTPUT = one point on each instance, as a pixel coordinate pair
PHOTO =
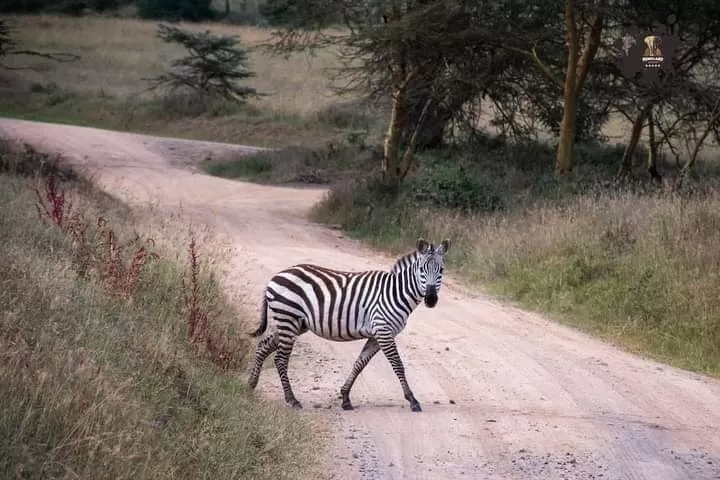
(263, 319)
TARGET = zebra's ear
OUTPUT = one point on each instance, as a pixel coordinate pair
(422, 245)
(444, 246)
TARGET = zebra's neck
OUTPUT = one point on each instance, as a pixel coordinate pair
(405, 262)
(404, 281)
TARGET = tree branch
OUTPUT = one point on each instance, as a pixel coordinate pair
(592, 43)
(58, 57)
(409, 154)
(533, 55)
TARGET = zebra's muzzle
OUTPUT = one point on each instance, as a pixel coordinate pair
(431, 298)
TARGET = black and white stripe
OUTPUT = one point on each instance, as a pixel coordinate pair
(346, 306)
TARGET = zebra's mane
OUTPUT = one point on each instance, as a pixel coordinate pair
(404, 261)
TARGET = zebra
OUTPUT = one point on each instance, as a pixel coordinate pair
(346, 306)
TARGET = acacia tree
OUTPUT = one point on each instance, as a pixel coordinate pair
(582, 23)
(429, 59)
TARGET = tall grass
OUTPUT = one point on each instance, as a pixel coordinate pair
(635, 266)
(105, 379)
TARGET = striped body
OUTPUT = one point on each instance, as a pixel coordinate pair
(343, 306)
(347, 306)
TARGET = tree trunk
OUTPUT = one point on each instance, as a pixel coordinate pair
(431, 134)
(652, 152)
(575, 76)
(398, 119)
(566, 142)
(227, 8)
(627, 158)
(564, 160)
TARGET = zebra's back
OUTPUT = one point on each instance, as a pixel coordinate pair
(331, 303)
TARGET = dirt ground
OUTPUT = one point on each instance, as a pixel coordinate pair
(506, 394)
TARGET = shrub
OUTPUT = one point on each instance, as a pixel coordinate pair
(191, 10)
(456, 187)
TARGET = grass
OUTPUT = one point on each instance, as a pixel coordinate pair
(107, 87)
(119, 358)
(294, 165)
(633, 265)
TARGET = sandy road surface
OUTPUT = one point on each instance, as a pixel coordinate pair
(505, 393)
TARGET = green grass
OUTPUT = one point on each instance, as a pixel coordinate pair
(98, 385)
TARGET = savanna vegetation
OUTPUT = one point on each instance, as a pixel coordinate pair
(570, 180)
(119, 355)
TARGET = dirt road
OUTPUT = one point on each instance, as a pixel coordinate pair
(506, 394)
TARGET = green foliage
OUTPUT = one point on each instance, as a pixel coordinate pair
(455, 186)
(213, 66)
(191, 10)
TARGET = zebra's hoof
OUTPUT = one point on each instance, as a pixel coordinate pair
(295, 404)
(347, 406)
(415, 407)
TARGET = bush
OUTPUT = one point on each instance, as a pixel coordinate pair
(456, 187)
(190, 10)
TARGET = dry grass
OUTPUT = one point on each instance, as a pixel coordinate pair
(107, 87)
(101, 383)
(118, 53)
(638, 269)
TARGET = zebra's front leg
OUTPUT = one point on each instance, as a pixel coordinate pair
(368, 352)
(286, 340)
(388, 347)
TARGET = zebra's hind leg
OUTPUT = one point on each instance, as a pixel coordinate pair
(265, 347)
(286, 340)
(387, 345)
(368, 352)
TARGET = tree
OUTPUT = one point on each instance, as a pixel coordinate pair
(427, 58)
(583, 24)
(214, 64)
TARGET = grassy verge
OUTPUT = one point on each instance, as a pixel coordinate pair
(116, 359)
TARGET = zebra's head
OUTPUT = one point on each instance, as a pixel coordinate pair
(430, 265)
